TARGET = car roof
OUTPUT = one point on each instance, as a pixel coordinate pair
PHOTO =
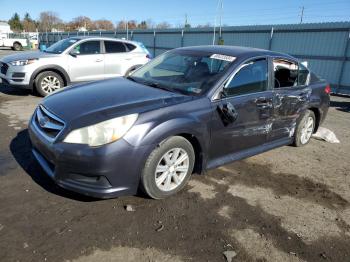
(102, 38)
(236, 51)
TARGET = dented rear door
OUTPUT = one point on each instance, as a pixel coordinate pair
(288, 104)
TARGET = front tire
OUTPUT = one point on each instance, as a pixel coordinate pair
(168, 168)
(17, 47)
(304, 129)
(48, 82)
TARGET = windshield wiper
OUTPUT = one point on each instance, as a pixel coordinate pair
(157, 85)
(131, 78)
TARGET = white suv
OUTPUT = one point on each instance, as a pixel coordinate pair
(76, 59)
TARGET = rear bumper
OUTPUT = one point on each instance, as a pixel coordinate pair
(103, 172)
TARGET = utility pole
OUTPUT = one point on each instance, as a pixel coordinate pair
(221, 8)
(185, 21)
(220, 3)
(302, 15)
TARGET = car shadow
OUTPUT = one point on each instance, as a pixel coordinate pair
(20, 148)
(343, 106)
(8, 90)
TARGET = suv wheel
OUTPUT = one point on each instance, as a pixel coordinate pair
(168, 168)
(48, 82)
(17, 46)
(305, 128)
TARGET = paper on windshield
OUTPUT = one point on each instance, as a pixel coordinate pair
(223, 57)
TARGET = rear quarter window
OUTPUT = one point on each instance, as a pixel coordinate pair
(130, 46)
(303, 75)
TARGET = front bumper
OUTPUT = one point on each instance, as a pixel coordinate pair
(103, 172)
(18, 76)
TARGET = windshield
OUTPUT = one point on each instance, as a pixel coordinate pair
(182, 71)
(60, 46)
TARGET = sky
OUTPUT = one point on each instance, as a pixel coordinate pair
(248, 12)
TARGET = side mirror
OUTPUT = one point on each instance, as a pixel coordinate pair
(223, 93)
(74, 53)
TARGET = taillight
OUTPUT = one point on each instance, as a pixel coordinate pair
(327, 90)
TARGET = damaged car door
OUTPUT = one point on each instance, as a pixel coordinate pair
(243, 110)
(291, 96)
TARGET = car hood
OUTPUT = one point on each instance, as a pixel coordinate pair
(90, 103)
(26, 55)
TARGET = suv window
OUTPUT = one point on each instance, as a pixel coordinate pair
(251, 78)
(114, 47)
(286, 73)
(303, 75)
(130, 46)
(88, 48)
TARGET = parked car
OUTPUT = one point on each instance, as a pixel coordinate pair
(16, 43)
(76, 59)
(188, 110)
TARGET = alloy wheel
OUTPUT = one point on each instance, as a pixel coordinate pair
(307, 130)
(172, 169)
(50, 84)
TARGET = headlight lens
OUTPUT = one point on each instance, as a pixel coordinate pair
(23, 62)
(102, 133)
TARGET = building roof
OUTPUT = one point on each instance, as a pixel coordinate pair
(4, 23)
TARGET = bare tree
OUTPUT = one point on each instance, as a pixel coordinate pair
(150, 24)
(81, 21)
(132, 24)
(48, 20)
(103, 24)
(121, 25)
(163, 25)
(204, 25)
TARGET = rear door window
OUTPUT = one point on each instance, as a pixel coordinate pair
(285, 72)
(114, 47)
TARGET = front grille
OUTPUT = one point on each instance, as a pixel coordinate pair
(3, 68)
(49, 124)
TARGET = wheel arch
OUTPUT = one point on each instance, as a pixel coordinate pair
(16, 42)
(187, 128)
(198, 151)
(317, 114)
(55, 68)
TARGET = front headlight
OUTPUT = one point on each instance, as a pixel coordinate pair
(23, 62)
(102, 133)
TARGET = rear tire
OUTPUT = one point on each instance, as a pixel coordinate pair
(47, 82)
(168, 168)
(17, 46)
(304, 129)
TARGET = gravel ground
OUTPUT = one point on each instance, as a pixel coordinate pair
(289, 204)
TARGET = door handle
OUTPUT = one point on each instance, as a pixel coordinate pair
(263, 102)
(98, 60)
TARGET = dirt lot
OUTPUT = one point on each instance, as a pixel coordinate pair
(289, 204)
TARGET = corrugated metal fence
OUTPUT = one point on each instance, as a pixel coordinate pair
(325, 46)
